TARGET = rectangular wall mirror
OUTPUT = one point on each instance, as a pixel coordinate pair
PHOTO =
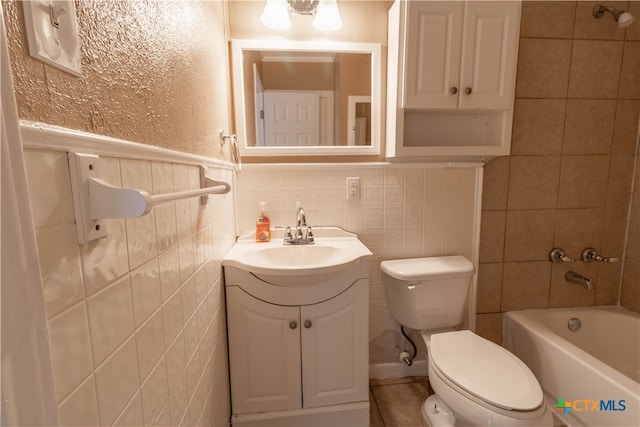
(297, 98)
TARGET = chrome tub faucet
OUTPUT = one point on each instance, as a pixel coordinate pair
(573, 277)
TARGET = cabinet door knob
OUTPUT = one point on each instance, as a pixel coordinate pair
(293, 324)
(453, 90)
(307, 324)
(468, 91)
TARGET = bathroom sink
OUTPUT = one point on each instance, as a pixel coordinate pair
(334, 250)
(310, 255)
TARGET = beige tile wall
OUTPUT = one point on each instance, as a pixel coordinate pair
(630, 297)
(567, 182)
(406, 211)
(137, 319)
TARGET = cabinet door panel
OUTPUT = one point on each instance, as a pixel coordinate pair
(489, 54)
(264, 354)
(433, 54)
(335, 349)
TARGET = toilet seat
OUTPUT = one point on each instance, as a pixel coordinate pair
(486, 371)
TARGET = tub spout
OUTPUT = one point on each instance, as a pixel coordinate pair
(579, 279)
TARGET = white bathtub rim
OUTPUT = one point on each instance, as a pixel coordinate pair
(569, 348)
(611, 378)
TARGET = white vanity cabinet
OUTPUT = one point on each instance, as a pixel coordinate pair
(451, 77)
(264, 354)
(298, 354)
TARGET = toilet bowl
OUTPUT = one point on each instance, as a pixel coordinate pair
(476, 382)
(481, 383)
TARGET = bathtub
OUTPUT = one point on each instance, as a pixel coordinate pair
(590, 376)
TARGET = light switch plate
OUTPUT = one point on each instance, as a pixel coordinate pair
(52, 33)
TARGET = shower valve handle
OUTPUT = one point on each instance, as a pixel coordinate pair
(590, 255)
(557, 255)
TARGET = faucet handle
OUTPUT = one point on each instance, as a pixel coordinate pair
(310, 233)
(287, 234)
(558, 255)
(590, 255)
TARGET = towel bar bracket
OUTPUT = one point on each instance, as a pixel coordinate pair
(83, 167)
(95, 200)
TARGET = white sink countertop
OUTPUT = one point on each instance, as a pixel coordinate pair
(334, 249)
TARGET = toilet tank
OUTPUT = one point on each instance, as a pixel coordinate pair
(428, 293)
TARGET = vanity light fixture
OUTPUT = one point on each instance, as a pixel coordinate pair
(624, 19)
(327, 17)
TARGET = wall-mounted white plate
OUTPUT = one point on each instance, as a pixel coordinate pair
(52, 33)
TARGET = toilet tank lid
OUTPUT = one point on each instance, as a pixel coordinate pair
(428, 268)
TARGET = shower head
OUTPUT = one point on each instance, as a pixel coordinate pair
(623, 18)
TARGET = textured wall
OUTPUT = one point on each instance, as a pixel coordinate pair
(154, 72)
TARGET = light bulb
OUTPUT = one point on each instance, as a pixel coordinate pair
(276, 15)
(327, 16)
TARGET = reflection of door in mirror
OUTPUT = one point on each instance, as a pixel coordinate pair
(331, 72)
(291, 119)
(259, 106)
(354, 82)
(251, 76)
(358, 120)
(331, 76)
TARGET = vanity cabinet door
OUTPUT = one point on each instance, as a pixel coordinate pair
(264, 354)
(335, 348)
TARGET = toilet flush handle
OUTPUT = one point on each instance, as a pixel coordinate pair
(412, 285)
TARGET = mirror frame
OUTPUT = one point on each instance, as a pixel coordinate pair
(238, 46)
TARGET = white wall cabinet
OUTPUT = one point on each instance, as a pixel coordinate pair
(451, 77)
(288, 362)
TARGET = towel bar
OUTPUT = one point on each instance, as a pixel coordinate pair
(95, 199)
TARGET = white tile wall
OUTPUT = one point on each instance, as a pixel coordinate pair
(137, 319)
(406, 211)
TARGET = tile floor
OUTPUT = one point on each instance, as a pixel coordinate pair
(396, 402)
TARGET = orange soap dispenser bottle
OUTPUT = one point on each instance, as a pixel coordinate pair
(263, 226)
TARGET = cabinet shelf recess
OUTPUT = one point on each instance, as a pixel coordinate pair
(452, 130)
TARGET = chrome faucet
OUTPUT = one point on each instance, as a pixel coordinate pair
(579, 279)
(301, 221)
(300, 238)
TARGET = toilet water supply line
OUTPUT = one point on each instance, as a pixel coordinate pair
(404, 355)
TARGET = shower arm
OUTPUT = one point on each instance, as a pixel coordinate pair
(599, 10)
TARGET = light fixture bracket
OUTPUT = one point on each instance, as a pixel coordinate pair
(303, 7)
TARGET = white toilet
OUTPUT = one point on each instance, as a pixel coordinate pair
(476, 382)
